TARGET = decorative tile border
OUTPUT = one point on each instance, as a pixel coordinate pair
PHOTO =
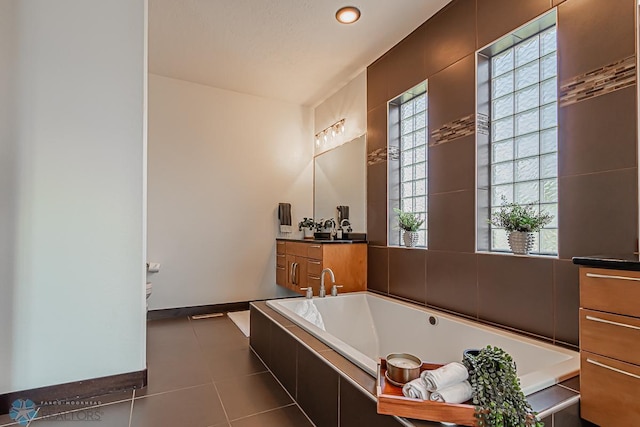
(482, 124)
(377, 156)
(454, 130)
(382, 155)
(600, 81)
(394, 152)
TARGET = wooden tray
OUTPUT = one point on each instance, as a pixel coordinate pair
(392, 402)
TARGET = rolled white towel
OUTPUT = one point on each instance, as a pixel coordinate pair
(416, 389)
(444, 376)
(457, 393)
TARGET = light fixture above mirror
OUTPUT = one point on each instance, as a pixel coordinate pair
(330, 131)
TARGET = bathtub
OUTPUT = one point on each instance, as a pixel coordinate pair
(364, 327)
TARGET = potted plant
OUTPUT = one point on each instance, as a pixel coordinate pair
(520, 222)
(496, 388)
(410, 223)
(325, 224)
(306, 226)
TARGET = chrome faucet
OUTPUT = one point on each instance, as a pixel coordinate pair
(323, 292)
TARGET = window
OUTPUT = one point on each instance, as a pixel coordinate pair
(521, 149)
(408, 136)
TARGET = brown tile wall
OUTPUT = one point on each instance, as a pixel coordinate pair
(597, 166)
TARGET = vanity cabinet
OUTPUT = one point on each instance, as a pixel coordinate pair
(299, 264)
(609, 346)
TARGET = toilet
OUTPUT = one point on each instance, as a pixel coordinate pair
(149, 288)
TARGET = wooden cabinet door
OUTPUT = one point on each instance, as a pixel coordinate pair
(281, 265)
(301, 273)
(291, 260)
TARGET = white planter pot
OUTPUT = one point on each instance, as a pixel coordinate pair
(521, 242)
(308, 233)
(410, 238)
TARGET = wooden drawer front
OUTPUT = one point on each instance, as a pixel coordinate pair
(296, 248)
(314, 282)
(612, 291)
(610, 335)
(314, 251)
(281, 275)
(609, 391)
(281, 260)
(314, 266)
(281, 247)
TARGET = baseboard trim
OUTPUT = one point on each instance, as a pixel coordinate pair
(77, 390)
(169, 313)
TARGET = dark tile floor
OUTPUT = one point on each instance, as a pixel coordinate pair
(202, 373)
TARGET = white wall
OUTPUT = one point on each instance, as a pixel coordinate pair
(350, 103)
(7, 189)
(72, 220)
(219, 164)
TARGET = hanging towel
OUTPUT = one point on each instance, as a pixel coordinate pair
(445, 376)
(416, 389)
(343, 213)
(284, 215)
(458, 393)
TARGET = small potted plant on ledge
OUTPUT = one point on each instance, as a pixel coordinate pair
(410, 223)
(306, 226)
(520, 222)
(496, 389)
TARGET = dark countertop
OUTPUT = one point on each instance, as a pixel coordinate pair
(320, 240)
(615, 262)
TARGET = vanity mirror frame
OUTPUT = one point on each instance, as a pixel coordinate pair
(357, 214)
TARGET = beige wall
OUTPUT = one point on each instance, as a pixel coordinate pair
(219, 164)
(350, 103)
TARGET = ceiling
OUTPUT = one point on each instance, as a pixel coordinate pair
(290, 50)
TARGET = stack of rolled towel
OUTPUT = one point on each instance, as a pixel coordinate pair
(446, 384)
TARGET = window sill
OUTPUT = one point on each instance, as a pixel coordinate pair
(518, 255)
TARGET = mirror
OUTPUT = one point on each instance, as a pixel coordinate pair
(340, 179)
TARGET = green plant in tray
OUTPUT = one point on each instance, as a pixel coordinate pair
(497, 394)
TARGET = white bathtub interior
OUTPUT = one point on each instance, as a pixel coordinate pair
(365, 327)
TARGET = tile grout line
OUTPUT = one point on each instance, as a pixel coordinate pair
(133, 399)
(215, 387)
(295, 402)
(160, 393)
(266, 411)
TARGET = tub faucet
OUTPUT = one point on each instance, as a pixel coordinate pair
(323, 292)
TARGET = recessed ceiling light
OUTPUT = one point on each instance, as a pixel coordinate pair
(348, 15)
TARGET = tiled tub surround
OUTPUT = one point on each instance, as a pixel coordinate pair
(364, 327)
(597, 164)
(335, 392)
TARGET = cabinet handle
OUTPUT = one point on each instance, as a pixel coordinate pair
(295, 273)
(314, 262)
(620, 371)
(315, 246)
(314, 277)
(291, 272)
(281, 255)
(279, 267)
(608, 276)
(610, 322)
